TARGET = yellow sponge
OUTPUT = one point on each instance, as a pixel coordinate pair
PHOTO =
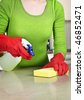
(46, 72)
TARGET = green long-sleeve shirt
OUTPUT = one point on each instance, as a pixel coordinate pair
(36, 29)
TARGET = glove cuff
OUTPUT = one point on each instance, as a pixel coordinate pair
(3, 41)
(58, 58)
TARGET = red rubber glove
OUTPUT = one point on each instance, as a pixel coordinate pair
(57, 62)
(13, 46)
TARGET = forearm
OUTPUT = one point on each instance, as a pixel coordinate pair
(60, 48)
(59, 31)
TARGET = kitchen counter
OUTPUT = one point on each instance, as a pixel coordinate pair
(22, 85)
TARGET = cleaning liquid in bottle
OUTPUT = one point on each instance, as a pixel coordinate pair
(8, 62)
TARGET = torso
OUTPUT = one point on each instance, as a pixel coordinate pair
(34, 27)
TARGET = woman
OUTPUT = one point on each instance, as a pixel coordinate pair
(33, 20)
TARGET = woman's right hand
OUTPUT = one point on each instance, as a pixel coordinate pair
(14, 46)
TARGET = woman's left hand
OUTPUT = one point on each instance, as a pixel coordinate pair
(57, 62)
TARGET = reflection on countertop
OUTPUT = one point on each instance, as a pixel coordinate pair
(22, 85)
